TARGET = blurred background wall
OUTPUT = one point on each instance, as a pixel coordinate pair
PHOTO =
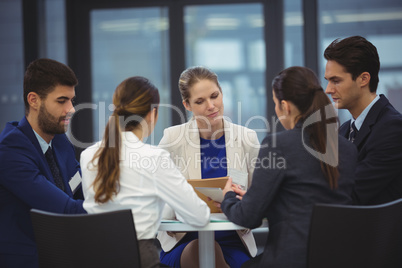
(245, 42)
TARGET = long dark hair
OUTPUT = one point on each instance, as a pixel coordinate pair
(133, 99)
(301, 86)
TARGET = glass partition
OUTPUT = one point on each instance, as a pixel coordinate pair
(129, 42)
(229, 39)
(293, 32)
(378, 21)
(12, 62)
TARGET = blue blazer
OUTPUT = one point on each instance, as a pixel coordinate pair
(26, 182)
(287, 183)
(379, 142)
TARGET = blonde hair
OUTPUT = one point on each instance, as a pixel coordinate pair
(191, 76)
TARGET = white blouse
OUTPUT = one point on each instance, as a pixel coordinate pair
(148, 180)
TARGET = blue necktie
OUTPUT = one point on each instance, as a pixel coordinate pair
(353, 132)
(54, 168)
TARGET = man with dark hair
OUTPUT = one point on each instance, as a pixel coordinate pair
(38, 166)
(376, 128)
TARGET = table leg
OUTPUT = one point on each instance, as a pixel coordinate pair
(206, 247)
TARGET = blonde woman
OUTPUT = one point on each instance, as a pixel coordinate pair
(205, 147)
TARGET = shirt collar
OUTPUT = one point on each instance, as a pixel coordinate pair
(43, 144)
(130, 140)
(360, 119)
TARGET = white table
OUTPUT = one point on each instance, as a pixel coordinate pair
(206, 236)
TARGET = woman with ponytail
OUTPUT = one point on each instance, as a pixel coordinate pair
(122, 172)
(308, 163)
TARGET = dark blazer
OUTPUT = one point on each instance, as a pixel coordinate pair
(287, 183)
(379, 167)
(26, 182)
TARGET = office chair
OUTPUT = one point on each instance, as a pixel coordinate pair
(86, 240)
(356, 236)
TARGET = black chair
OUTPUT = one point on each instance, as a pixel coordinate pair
(86, 240)
(356, 236)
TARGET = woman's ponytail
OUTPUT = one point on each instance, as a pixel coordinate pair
(301, 86)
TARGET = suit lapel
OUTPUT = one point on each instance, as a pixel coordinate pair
(344, 129)
(26, 128)
(193, 150)
(370, 120)
(233, 148)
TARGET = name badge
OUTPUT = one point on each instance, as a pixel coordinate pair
(75, 182)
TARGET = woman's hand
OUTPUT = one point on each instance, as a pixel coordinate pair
(215, 203)
(234, 188)
(228, 187)
(239, 191)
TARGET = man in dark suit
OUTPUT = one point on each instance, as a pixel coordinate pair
(38, 166)
(376, 128)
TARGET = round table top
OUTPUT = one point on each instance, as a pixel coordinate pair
(217, 223)
(211, 226)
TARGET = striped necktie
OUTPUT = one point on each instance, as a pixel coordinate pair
(352, 133)
(54, 168)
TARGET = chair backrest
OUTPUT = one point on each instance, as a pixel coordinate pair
(356, 236)
(86, 240)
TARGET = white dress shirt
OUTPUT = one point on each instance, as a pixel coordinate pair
(148, 180)
(360, 119)
(42, 143)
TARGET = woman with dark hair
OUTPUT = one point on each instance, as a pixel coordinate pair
(122, 172)
(308, 163)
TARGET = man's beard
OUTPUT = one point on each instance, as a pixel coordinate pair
(50, 124)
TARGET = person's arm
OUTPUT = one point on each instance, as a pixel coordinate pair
(166, 144)
(174, 189)
(253, 148)
(381, 166)
(171, 138)
(238, 190)
(21, 175)
(250, 211)
(172, 142)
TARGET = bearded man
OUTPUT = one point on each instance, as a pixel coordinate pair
(38, 168)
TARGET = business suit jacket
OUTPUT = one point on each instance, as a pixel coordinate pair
(287, 183)
(379, 142)
(26, 182)
(183, 143)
